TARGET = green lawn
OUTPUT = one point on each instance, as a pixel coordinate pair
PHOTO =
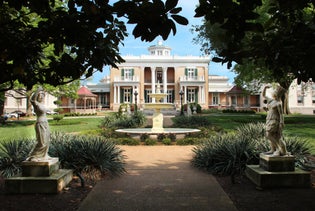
(295, 125)
(25, 128)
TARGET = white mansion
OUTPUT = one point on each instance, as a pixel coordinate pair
(137, 77)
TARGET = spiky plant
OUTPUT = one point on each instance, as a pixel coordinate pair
(224, 155)
(12, 153)
(87, 155)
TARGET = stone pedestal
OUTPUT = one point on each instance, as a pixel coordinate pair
(39, 177)
(157, 121)
(277, 171)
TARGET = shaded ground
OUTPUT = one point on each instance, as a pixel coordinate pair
(246, 197)
(243, 194)
(68, 199)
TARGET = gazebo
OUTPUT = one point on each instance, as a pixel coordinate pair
(86, 103)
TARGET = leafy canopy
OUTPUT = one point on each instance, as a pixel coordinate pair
(277, 35)
(58, 41)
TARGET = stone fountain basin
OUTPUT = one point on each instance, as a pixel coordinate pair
(158, 105)
(163, 130)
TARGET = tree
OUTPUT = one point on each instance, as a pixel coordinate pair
(282, 36)
(275, 37)
(58, 41)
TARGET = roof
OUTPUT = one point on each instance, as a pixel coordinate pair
(85, 92)
(236, 90)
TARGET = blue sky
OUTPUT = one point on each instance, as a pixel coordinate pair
(181, 43)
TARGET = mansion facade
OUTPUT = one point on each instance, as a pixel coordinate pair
(185, 79)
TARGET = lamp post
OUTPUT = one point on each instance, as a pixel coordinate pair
(136, 94)
(181, 102)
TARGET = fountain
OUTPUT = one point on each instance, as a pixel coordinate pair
(157, 119)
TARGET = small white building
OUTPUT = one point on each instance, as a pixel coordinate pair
(14, 101)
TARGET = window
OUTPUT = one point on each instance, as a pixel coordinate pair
(128, 74)
(159, 76)
(127, 95)
(215, 98)
(160, 53)
(147, 97)
(170, 96)
(233, 100)
(246, 100)
(104, 99)
(191, 95)
(300, 99)
(191, 73)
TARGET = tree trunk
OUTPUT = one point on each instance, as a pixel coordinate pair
(285, 103)
(28, 103)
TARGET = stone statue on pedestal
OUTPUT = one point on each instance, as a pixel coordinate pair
(40, 151)
(275, 122)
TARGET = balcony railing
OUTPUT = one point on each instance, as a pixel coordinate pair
(192, 78)
(124, 78)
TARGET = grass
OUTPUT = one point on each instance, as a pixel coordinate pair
(25, 128)
(295, 125)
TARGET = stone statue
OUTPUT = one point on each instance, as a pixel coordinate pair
(275, 121)
(40, 151)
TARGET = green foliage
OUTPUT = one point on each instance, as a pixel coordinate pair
(191, 121)
(127, 141)
(198, 107)
(144, 136)
(12, 153)
(238, 111)
(167, 141)
(150, 142)
(172, 136)
(55, 47)
(272, 35)
(161, 136)
(187, 141)
(58, 117)
(118, 120)
(87, 154)
(230, 153)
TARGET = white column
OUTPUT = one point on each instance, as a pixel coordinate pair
(185, 94)
(153, 82)
(165, 83)
(115, 95)
(118, 96)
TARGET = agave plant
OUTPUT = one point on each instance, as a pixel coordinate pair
(12, 153)
(87, 155)
(229, 154)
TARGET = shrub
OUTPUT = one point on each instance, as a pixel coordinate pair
(172, 136)
(191, 121)
(224, 155)
(228, 154)
(186, 141)
(58, 117)
(144, 136)
(198, 107)
(129, 141)
(161, 136)
(150, 142)
(88, 155)
(118, 120)
(12, 153)
(167, 141)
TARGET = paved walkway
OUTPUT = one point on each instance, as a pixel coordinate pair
(158, 178)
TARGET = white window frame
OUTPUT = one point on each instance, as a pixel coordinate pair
(127, 95)
(215, 98)
(191, 95)
(128, 74)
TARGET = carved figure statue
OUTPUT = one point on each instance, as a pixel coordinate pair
(40, 151)
(275, 121)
